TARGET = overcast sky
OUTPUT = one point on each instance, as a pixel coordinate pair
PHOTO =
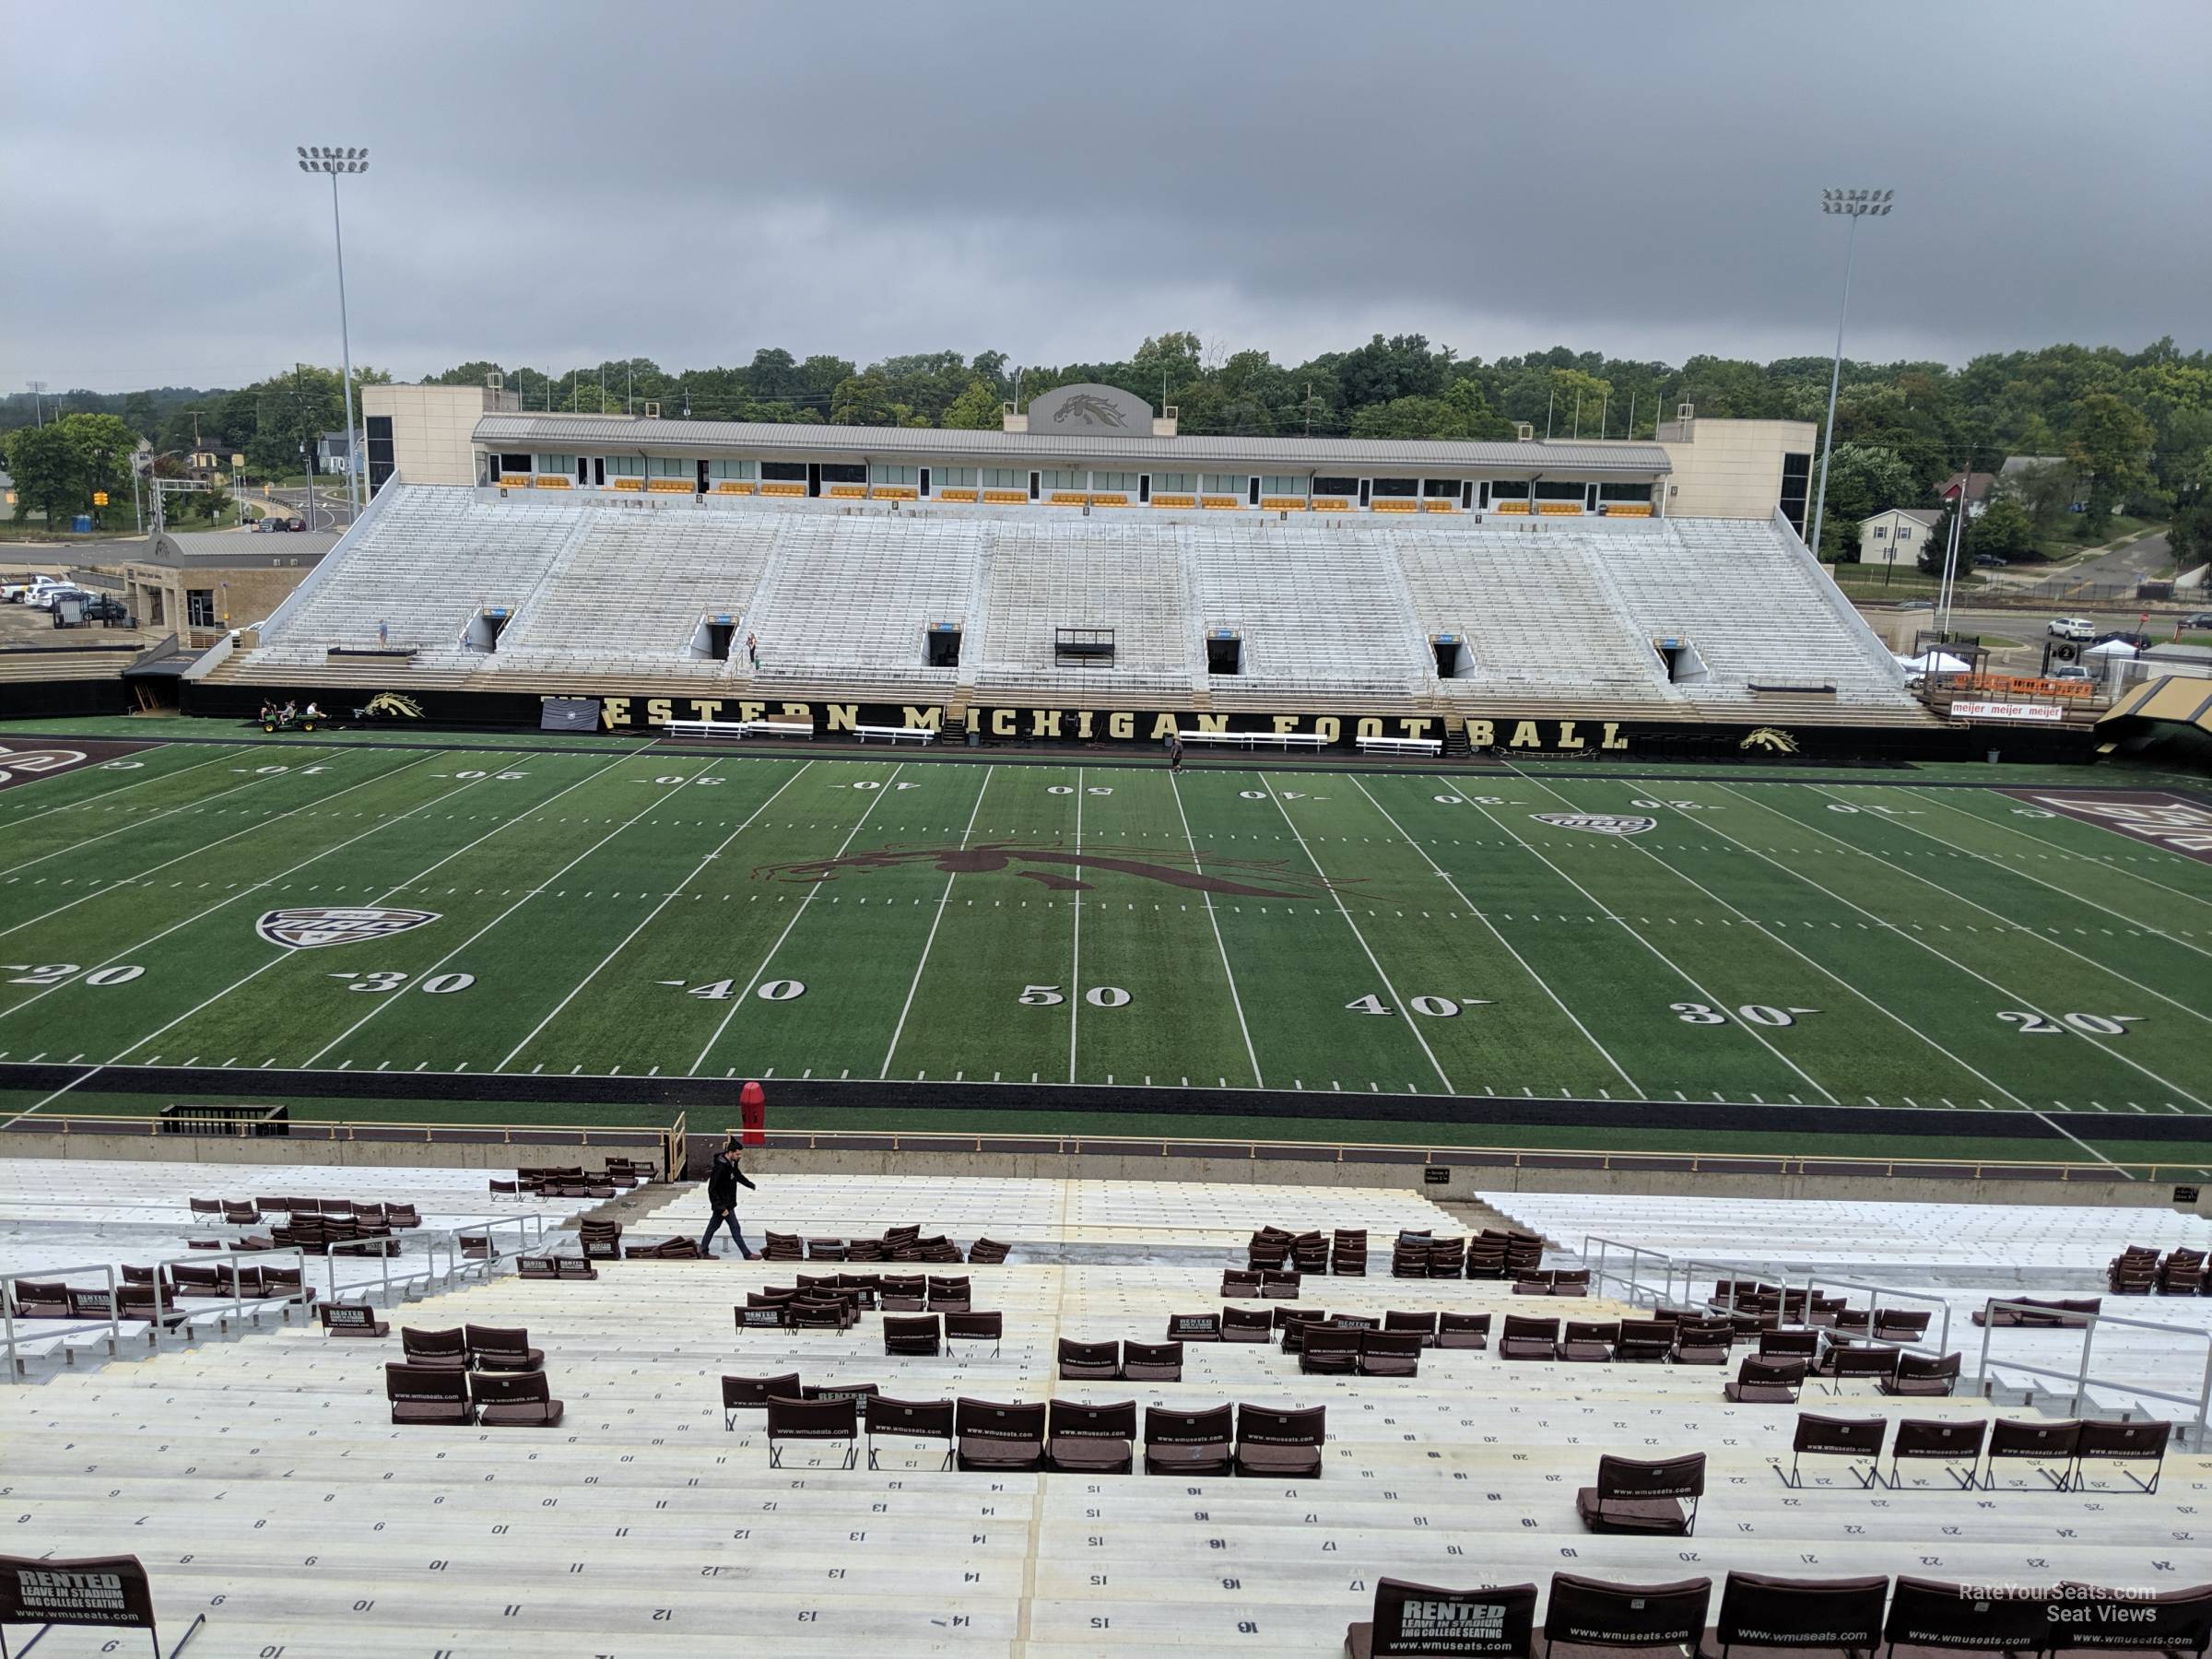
(559, 181)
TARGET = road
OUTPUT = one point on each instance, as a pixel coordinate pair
(330, 503)
(2123, 564)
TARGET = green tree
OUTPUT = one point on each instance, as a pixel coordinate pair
(975, 409)
(43, 465)
(1862, 479)
(2111, 443)
(2004, 531)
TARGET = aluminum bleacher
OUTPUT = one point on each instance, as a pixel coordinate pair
(651, 1520)
(844, 601)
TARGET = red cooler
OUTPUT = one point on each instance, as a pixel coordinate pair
(752, 1109)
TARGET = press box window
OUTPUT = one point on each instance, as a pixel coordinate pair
(1396, 486)
(956, 478)
(894, 475)
(783, 472)
(1003, 477)
(1624, 492)
(844, 472)
(740, 470)
(664, 467)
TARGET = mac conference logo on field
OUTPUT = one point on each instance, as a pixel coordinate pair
(1598, 823)
(316, 925)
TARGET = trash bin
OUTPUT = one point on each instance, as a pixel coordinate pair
(1992, 756)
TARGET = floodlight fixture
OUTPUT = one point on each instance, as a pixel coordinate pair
(334, 159)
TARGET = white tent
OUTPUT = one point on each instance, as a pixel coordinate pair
(1933, 662)
(2111, 648)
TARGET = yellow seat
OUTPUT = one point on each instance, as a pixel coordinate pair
(672, 486)
(896, 492)
(1067, 498)
(1109, 500)
(626, 483)
(1006, 498)
(1436, 504)
(1283, 503)
(955, 495)
(1174, 501)
(847, 492)
(547, 481)
(1511, 507)
(1210, 502)
(1331, 504)
(1395, 504)
(783, 490)
(731, 486)
(514, 480)
(1628, 510)
(1559, 510)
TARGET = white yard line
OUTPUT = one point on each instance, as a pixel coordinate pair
(2057, 852)
(123, 881)
(1215, 922)
(1410, 1024)
(543, 883)
(666, 899)
(1621, 1071)
(1818, 967)
(2013, 922)
(222, 754)
(1075, 967)
(247, 890)
(944, 899)
(2006, 991)
(1612, 915)
(188, 806)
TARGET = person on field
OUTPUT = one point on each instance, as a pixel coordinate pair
(1174, 751)
(723, 1182)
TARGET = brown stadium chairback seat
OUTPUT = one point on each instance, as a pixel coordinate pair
(976, 1327)
(1000, 1436)
(2169, 1623)
(1194, 1327)
(1091, 1440)
(1246, 1324)
(351, 1319)
(1588, 1341)
(39, 1299)
(1928, 1617)
(1956, 1447)
(1851, 1361)
(1347, 1254)
(1522, 1336)
(1275, 1444)
(1420, 1324)
(420, 1396)
(1089, 1362)
(988, 1252)
(2123, 1442)
(1329, 1349)
(1590, 1619)
(1767, 1617)
(1644, 1342)
(1702, 1341)
(753, 1394)
(1637, 1495)
(1278, 1286)
(1152, 1361)
(909, 1419)
(2040, 1444)
(1857, 1439)
(812, 1422)
(1923, 1375)
(513, 1400)
(2134, 1272)
(923, 1335)
(1390, 1353)
(1416, 1620)
(434, 1350)
(501, 1348)
(1800, 1344)
(2065, 1312)
(1241, 1282)
(1189, 1443)
(1766, 1381)
(1463, 1330)
(902, 1293)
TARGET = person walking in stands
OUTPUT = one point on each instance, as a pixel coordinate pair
(752, 650)
(723, 1182)
(1174, 751)
(384, 635)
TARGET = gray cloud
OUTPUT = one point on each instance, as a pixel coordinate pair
(564, 182)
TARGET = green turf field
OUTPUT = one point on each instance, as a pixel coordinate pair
(602, 909)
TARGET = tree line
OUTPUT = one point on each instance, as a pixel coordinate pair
(2132, 430)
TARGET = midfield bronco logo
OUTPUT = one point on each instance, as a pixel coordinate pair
(316, 925)
(1061, 870)
(1598, 823)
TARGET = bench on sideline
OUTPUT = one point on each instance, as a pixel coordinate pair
(1282, 740)
(734, 729)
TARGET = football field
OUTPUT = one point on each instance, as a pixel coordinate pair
(652, 912)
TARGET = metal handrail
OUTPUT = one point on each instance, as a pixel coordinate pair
(1693, 1266)
(1715, 1163)
(2081, 1376)
(1600, 1274)
(162, 1305)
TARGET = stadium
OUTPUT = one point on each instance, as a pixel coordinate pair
(1341, 1046)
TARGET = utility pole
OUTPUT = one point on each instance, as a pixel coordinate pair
(38, 402)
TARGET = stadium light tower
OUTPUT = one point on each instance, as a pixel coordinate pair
(1853, 204)
(334, 161)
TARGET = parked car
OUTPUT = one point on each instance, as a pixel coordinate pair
(1996, 561)
(2202, 619)
(106, 607)
(44, 596)
(17, 591)
(2071, 671)
(295, 523)
(2141, 642)
(2071, 627)
(1918, 605)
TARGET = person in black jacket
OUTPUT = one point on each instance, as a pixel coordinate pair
(723, 1182)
